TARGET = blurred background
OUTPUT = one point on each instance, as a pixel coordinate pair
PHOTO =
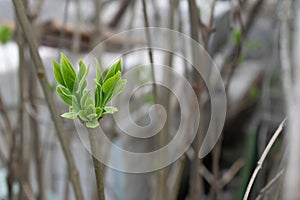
(252, 43)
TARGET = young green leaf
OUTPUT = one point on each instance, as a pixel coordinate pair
(82, 116)
(116, 67)
(84, 98)
(5, 34)
(90, 109)
(99, 111)
(110, 83)
(110, 110)
(57, 73)
(99, 79)
(81, 74)
(91, 117)
(67, 72)
(75, 104)
(69, 115)
(64, 94)
(92, 124)
(119, 87)
(98, 95)
(82, 81)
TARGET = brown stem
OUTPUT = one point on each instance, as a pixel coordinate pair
(98, 166)
(29, 35)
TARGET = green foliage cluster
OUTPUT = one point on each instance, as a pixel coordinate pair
(5, 34)
(72, 90)
(237, 36)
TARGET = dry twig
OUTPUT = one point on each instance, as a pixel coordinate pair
(263, 157)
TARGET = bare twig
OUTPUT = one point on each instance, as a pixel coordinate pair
(205, 173)
(4, 111)
(268, 186)
(29, 35)
(263, 157)
(230, 174)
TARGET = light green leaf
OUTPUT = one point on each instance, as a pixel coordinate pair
(84, 99)
(57, 73)
(75, 104)
(67, 72)
(64, 94)
(98, 95)
(237, 36)
(99, 111)
(110, 83)
(91, 117)
(5, 34)
(92, 124)
(119, 87)
(110, 110)
(99, 79)
(116, 67)
(81, 74)
(82, 116)
(69, 115)
(90, 109)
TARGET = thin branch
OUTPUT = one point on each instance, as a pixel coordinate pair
(206, 174)
(268, 186)
(263, 157)
(7, 121)
(230, 174)
(29, 35)
(36, 135)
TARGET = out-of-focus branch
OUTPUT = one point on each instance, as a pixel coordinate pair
(291, 85)
(77, 30)
(28, 191)
(4, 112)
(195, 184)
(29, 35)
(147, 25)
(98, 32)
(230, 174)
(269, 185)
(121, 11)
(263, 157)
